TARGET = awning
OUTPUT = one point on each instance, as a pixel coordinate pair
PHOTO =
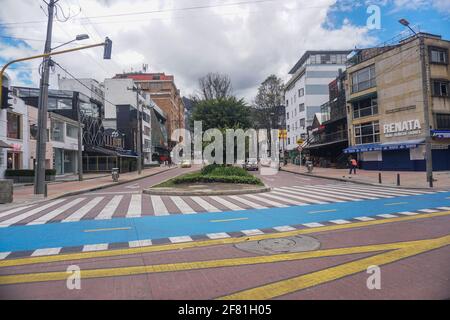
(440, 134)
(397, 145)
(108, 152)
(363, 148)
(4, 145)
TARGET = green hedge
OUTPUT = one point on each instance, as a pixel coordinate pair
(27, 173)
(195, 178)
(220, 170)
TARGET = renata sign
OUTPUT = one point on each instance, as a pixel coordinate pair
(403, 128)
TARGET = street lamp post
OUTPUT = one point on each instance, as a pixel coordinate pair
(426, 106)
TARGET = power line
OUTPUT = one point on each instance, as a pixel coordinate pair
(153, 11)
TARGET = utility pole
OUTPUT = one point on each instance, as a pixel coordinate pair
(426, 109)
(39, 179)
(139, 130)
(426, 103)
(80, 142)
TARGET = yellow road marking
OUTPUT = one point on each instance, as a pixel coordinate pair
(395, 203)
(284, 287)
(107, 229)
(207, 243)
(228, 220)
(332, 210)
(195, 265)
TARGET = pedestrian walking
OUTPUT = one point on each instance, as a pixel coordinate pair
(353, 165)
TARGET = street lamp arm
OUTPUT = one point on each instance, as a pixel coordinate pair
(43, 56)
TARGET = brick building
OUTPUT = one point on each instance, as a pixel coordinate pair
(165, 94)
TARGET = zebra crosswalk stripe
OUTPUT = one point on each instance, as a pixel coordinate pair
(376, 191)
(46, 252)
(284, 199)
(306, 199)
(135, 207)
(3, 255)
(226, 203)
(252, 232)
(180, 239)
(182, 205)
(205, 204)
(140, 243)
(361, 191)
(110, 208)
(337, 193)
(313, 225)
(264, 200)
(317, 194)
(95, 247)
(364, 218)
(6, 213)
(27, 214)
(387, 216)
(360, 194)
(219, 235)
(52, 214)
(340, 221)
(158, 206)
(308, 194)
(284, 228)
(408, 213)
(249, 203)
(80, 213)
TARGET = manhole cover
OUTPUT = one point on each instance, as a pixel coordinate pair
(280, 245)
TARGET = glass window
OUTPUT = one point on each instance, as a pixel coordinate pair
(367, 132)
(72, 131)
(302, 123)
(302, 107)
(301, 92)
(440, 88)
(14, 127)
(443, 121)
(439, 55)
(365, 108)
(57, 128)
(363, 79)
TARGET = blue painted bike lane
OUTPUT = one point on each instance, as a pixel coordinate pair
(54, 235)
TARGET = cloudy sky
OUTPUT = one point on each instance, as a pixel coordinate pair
(246, 39)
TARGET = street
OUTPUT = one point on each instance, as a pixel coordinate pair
(130, 245)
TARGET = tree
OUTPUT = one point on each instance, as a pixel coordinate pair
(269, 98)
(214, 86)
(227, 113)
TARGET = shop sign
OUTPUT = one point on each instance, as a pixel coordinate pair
(402, 128)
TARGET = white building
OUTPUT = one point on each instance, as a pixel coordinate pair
(14, 133)
(118, 94)
(308, 89)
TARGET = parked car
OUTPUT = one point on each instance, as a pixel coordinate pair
(251, 164)
(186, 163)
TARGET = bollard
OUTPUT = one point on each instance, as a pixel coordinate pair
(379, 178)
(45, 190)
(398, 179)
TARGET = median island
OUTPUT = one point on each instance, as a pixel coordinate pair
(211, 180)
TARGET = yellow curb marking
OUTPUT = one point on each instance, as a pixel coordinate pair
(332, 210)
(228, 220)
(284, 287)
(207, 243)
(196, 265)
(108, 229)
(395, 203)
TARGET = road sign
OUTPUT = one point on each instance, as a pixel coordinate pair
(300, 141)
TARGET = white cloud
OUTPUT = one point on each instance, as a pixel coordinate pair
(248, 42)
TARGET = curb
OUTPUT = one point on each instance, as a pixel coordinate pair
(113, 184)
(358, 182)
(163, 192)
(6, 256)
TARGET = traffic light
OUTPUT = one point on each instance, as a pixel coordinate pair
(108, 49)
(5, 98)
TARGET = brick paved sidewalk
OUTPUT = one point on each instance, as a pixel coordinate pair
(24, 195)
(389, 178)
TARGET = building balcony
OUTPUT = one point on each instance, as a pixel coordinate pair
(325, 139)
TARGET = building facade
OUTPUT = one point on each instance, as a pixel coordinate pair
(327, 141)
(308, 89)
(14, 135)
(165, 94)
(385, 104)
